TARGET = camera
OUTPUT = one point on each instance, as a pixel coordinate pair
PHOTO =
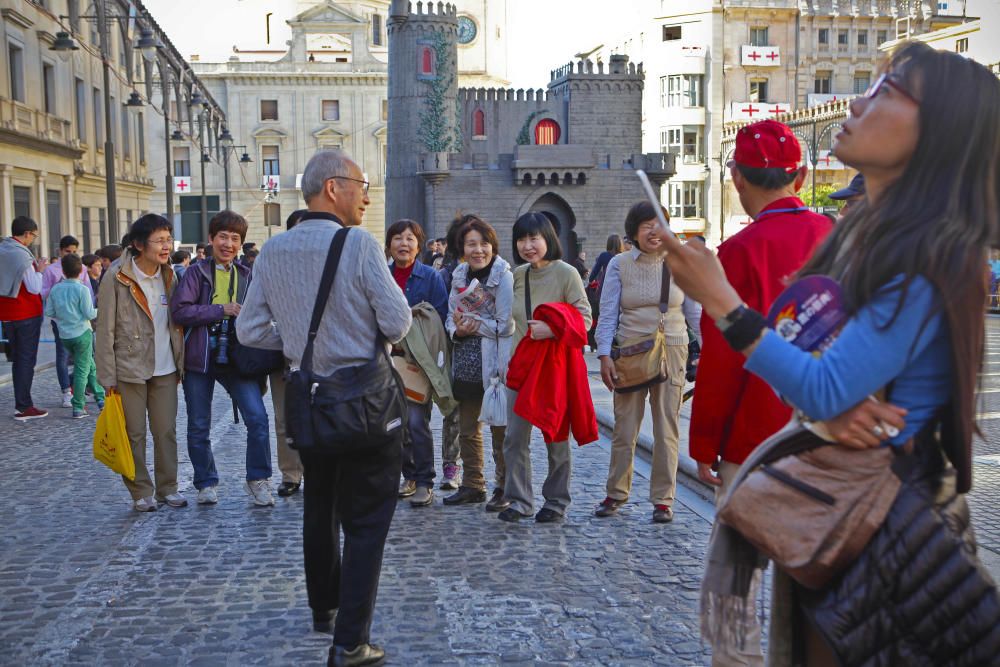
(219, 335)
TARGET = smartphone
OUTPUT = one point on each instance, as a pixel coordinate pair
(654, 200)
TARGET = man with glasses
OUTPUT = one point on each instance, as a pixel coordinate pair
(354, 490)
(21, 311)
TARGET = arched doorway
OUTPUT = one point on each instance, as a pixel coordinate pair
(563, 219)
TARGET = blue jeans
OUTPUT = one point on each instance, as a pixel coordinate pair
(418, 453)
(23, 336)
(198, 390)
(62, 361)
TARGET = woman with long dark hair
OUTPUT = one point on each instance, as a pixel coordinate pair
(911, 262)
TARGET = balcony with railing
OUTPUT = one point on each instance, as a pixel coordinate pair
(37, 129)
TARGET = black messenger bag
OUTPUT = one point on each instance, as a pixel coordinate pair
(355, 409)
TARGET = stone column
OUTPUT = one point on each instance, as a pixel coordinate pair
(42, 215)
(71, 227)
(6, 200)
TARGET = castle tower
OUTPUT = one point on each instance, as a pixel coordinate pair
(424, 123)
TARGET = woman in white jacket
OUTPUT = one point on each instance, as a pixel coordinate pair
(480, 324)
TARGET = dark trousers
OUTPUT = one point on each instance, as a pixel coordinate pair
(62, 361)
(355, 493)
(23, 336)
(418, 453)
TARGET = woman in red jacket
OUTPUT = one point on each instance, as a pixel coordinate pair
(541, 277)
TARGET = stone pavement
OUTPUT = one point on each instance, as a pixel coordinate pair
(85, 580)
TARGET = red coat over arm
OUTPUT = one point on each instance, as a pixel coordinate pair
(550, 377)
(734, 410)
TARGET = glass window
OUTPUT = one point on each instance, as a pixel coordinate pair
(824, 35)
(126, 138)
(842, 38)
(478, 123)
(269, 160)
(684, 90)
(428, 61)
(671, 33)
(547, 132)
(49, 86)
(269, 109)
(98, 118)
(758, 37)
(862, 80)
(692, 145)
(331, 110)
(758, 90)
(385, 109)
(182, 161)
(22, 201)
(377, 29)
(670, 140)
(962, 45)
(863, 38)
(81, 110)
(685, 199)
(822, 83)
(15, 57)
(881, 37)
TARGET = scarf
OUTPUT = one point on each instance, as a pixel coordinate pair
(15, 258)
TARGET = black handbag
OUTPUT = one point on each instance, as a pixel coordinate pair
(253, 362)
(355, 409)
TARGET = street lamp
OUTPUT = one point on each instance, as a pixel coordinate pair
(147, 45)
(64, 45)
(228, 147)
(134, 100)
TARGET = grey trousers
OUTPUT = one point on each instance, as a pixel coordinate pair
(449, 438)
(517, 457)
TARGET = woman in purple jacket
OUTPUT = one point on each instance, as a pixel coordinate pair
(206, 303)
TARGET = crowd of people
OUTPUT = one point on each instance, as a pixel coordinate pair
(499, 342)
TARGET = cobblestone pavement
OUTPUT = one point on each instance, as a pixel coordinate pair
(85, 580)
(985, 496)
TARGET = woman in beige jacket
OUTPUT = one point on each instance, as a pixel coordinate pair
(140, 356)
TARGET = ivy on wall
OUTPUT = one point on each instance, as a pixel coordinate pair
(524, 136)
(435, 132)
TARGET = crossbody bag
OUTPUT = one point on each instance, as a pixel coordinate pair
(354, 409)
(641, 361)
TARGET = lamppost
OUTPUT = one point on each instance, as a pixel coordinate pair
(64, 45)
(228, 147)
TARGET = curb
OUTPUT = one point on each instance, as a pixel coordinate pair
(685, 464)
(8, 378)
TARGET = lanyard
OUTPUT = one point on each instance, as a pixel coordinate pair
(797, 209)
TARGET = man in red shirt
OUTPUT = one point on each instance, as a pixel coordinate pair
(21, 311)
(735, 411)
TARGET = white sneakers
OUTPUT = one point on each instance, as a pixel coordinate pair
(208, 496)
(175, 500)
(68, 398)
(145, 505)
(260, 490)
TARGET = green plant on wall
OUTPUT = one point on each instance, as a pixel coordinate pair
(822, 196)
(524, 136)
(436, 133)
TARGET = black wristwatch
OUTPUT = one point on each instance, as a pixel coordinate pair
(730, 318)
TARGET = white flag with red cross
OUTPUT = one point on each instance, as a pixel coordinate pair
(182, 185)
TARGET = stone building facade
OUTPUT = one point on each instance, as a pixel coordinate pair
(327, 89)
(52, 163)
(569, 151)
(715, 63)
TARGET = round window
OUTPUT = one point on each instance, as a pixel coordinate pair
(467, 30)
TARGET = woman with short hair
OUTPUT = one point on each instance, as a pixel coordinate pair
(481, 352)
(140, 355)
(630, 301)
(541, 277)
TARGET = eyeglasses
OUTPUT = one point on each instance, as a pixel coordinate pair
(887, 80)
(163, 243)
(364, 184)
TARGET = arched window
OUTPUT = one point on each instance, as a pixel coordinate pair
(478, 123)
(540, 180)
(547, 132)
(427, 61)
(526, 180)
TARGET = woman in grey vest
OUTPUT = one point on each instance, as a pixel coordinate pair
(630, 307)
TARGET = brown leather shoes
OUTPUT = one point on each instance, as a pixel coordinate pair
(362, 654)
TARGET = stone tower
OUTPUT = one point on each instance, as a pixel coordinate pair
(424, 120)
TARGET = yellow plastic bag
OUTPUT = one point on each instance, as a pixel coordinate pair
(111, 445)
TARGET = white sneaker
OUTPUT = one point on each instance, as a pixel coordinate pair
(175, 500)
(68, 398)
(260, 490)
(208, 496)
(145, 505)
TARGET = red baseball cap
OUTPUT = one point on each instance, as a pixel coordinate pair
(767, 144)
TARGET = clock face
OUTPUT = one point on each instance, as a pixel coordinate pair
(466, 30)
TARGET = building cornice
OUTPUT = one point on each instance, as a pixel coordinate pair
(14, 138)
(300, 78)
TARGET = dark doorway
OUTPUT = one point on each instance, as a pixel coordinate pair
(53, 215)
(191, 217)
(563, 219)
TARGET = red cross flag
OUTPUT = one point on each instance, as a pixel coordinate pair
(182, 184)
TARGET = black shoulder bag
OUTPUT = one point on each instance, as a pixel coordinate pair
(355, 409)
(248, 362)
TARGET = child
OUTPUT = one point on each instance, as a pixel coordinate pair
(71, 305)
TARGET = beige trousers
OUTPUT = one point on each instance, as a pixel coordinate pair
(751, 653)
(156, 397)
(289, 462)
(470, 440)
(665, 406)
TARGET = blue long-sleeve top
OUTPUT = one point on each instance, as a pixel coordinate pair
(913, 353)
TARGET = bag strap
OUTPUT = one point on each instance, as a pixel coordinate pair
(665, 288)
(527, 293)
(325, 285)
